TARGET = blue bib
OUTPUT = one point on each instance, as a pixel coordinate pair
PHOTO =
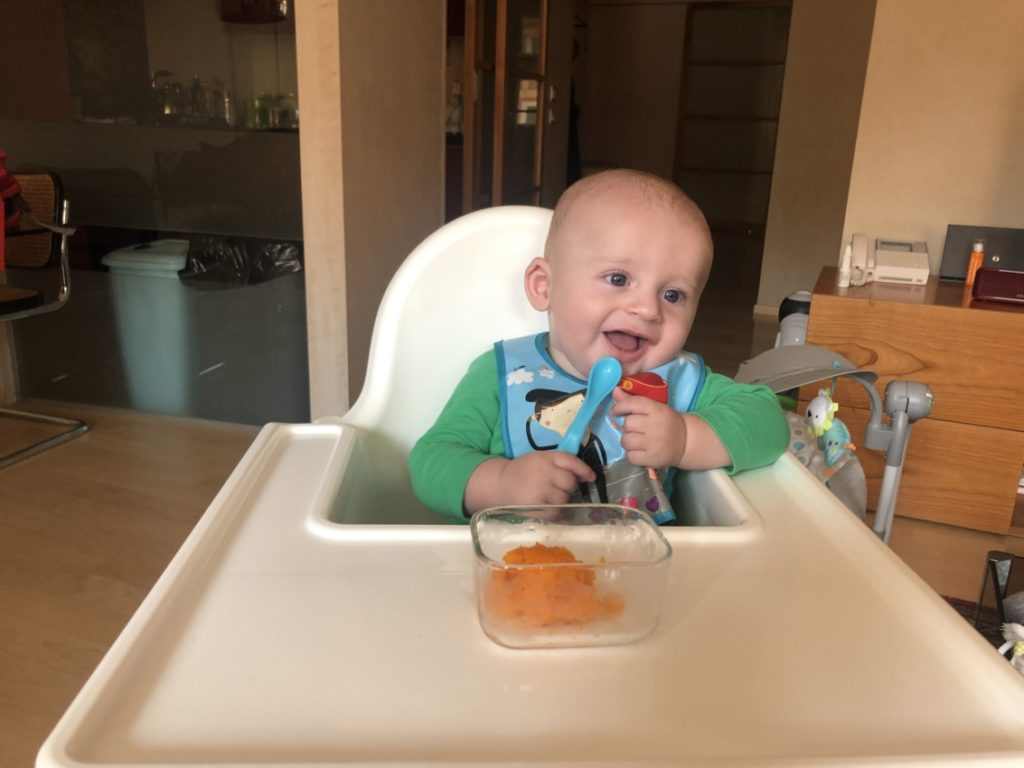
(539, 401)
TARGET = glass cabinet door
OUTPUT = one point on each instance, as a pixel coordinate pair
(174, 133)
(505, 148)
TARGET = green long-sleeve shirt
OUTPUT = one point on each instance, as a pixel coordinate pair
(747, 419)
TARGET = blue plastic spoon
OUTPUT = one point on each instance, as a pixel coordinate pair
(604, 377)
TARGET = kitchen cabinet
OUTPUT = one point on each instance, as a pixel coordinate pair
(157, 116)
(964, 461)
(516, 102)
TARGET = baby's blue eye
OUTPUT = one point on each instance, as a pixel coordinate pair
(673, 296)
(617, 279)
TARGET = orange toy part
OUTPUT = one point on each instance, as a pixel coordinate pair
(646, 384)
(542, 597)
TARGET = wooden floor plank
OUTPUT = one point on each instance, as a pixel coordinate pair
(85, 530)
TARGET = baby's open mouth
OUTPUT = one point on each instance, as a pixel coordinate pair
(625, 342)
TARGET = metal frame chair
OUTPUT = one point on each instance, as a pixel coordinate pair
(39, 243)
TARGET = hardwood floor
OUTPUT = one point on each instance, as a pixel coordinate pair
(85, 530)
(87, 527)
(725, 332)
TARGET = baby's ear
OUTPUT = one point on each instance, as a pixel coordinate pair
(537, 282)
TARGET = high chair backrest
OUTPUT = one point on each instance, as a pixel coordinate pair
(456, 294)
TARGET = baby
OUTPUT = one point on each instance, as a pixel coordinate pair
(626, 259)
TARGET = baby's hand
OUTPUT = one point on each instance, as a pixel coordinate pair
(541, 477)
(653, 434)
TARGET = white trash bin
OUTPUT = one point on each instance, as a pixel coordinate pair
(153, 322)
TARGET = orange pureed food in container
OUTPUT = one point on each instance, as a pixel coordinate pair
(541, 597)
(568, 575)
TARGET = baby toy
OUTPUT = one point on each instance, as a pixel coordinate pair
(819, 413)
(821, 442)
(833, 435)
(1014, 636)
(619, 481)
(644, 484)
(906, 402)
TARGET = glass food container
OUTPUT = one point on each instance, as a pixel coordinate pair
(568, 575)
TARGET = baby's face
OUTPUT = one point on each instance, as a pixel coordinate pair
(625, 281)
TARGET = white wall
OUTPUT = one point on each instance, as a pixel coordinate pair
(821, 97)
(941, 134)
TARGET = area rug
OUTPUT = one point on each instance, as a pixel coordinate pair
(988, 624)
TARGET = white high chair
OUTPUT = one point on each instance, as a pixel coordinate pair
(360, 643)
(456, 293)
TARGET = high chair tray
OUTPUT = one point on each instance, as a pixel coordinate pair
(278, 638)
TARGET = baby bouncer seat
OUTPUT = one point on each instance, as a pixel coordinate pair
(789, 367)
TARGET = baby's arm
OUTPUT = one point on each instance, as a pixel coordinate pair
(738, 426)
(458, 466)
(655, 435)
(542, 477)
(465, 435)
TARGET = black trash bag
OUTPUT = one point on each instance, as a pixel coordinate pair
(231, 262)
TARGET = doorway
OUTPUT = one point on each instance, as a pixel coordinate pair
(511, 102)
(690, 91)
(730, 96)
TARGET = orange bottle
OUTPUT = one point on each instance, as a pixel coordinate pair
(977, 259)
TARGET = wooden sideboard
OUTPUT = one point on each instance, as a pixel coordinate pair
(964, 461)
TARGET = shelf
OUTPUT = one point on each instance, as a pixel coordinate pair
(179, 125)
(738, 171)
(171, 179)
(735, 63)
(754, 229)
(730, 118)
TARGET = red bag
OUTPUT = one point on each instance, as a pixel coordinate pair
(10, 189)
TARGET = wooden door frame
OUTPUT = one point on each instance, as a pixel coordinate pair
(318, 51)
(362, 217)
(470, 95)
(500, 74)
(472, 69)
